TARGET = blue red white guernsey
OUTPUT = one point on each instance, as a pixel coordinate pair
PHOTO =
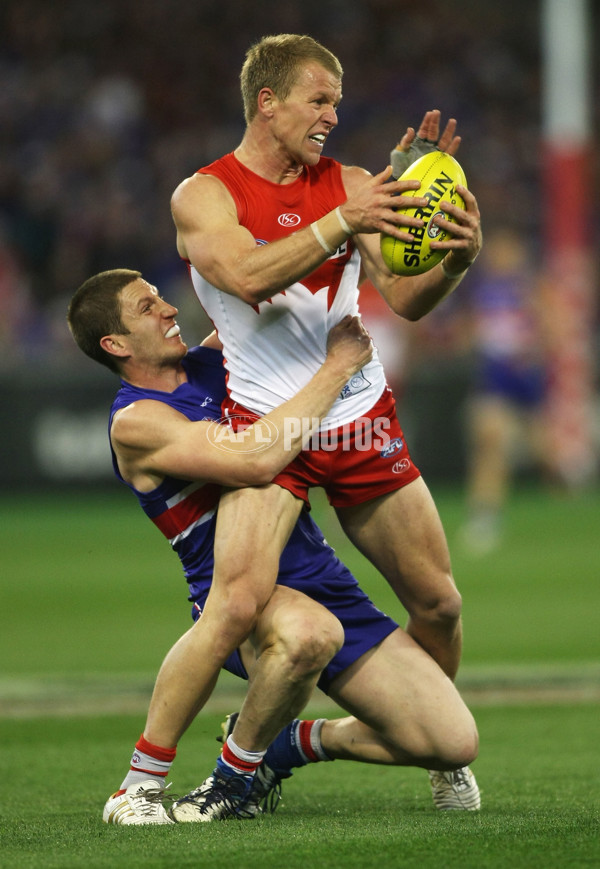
(185, 512)
(509, 362)
(274, 348)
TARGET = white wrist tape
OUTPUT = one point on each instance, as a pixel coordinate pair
(343, 223)
(318, 235)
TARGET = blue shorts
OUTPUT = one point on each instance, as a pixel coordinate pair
(308, 564)
(522, 385)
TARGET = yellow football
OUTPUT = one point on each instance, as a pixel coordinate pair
(439, 173)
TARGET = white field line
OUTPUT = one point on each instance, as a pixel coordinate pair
(106, 694)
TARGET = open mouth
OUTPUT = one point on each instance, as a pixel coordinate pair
(173, 331)
(318, 139)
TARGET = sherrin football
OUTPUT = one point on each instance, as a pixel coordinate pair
(439, 173)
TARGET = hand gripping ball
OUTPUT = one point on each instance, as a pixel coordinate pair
(439, 173)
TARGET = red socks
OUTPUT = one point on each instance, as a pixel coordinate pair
(149, 762)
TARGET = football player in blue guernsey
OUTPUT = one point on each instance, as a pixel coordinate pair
(315, 627)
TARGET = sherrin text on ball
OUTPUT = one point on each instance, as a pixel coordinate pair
(439, 173)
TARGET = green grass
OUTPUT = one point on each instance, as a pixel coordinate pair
(82, 574)
(538, 774)
(92, 597)
(532, 600)
(87, 575)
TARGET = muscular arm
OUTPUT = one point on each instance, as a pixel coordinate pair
(225, 253)
(152, 440)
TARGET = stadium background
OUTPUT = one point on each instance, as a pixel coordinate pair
(104, 107)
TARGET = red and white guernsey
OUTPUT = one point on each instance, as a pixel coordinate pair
(273, 349)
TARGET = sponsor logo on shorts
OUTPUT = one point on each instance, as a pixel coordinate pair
(401, 466)
(394, 446)
(136, 758)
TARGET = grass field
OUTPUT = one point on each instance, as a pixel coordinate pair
(91, 599)
(538, 771)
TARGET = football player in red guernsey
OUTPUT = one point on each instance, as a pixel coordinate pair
(278, 238)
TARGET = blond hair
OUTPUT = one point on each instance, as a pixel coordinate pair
(275, 61)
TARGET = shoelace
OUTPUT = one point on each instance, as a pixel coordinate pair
(147, 800)
(230, 793)
(265, 793)
(266, 790)
(460, 778)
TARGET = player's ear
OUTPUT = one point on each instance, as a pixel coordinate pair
(266, 102)
(114, 345)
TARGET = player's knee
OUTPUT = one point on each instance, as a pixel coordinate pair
(443, 608)
(243, 615)
(446, 748)
(464, 748)
(449, 608)
(313, 644)
(240, 612)
(459, 746)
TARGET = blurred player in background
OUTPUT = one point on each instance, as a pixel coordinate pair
(278, 239)
(506, 427)
(168, 449)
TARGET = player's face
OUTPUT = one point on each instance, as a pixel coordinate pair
(303, 121)
(153, 332)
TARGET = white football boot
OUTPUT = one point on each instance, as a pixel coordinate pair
(455, 790)
(139, 804)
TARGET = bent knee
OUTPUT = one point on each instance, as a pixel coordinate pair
(237, 616)
(313, 645)
(463, 752)
(437, 742)
(443, 607)
(459, 749)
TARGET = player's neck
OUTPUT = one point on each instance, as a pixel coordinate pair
(262, 159)
(161, 379)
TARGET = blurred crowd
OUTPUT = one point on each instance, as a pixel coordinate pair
(106, 106)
